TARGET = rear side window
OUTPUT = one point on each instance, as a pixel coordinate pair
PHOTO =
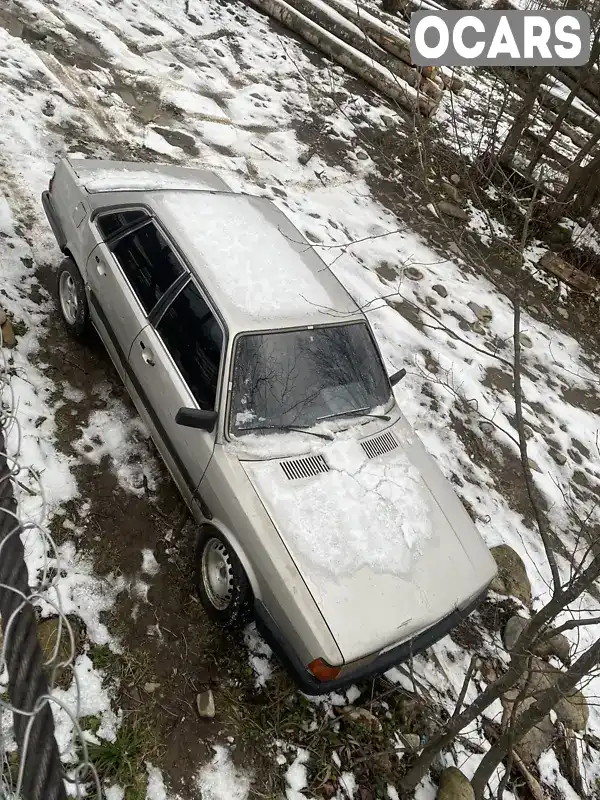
(148, 262)
(194, 338)
(116, 221)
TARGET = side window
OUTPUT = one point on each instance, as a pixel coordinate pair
(194, 339)
(149, 263)
(115, 221)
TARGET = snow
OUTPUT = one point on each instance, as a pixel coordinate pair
(326, 517)
(348, 785)
(123, 180)
(260, 269)
(259, 655)
(551, 776)
(113, 434)
(296, 776)
(156, 789)
(85, 697)
(149, 563)
(221, 780)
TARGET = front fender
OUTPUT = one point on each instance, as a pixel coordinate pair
(218, 526)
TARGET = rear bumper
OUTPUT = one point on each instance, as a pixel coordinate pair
(272, 634)
(53, 220)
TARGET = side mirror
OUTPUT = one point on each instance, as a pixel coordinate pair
(397, 376)
(196, 418)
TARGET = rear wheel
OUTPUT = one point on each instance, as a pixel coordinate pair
(72, 300)
(221, 581)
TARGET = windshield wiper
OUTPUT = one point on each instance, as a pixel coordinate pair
(355, 411)
(326, 436)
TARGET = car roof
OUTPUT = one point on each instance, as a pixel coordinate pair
(254, 263)
(257, 267)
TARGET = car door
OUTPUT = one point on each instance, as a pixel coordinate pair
(128, 272)
(176, 363)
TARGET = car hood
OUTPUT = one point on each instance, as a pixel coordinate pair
(378, 535)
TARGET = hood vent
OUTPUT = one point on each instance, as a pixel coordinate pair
(380, 445)
(304, 467)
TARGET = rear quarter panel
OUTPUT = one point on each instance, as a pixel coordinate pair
(69, 201)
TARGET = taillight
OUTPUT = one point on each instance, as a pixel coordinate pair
(323, 671)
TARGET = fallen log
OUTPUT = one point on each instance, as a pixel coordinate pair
(345, 30)
(389, 38)
(373, 73)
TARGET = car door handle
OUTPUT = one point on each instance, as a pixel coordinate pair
(147, 355)
(100, 267)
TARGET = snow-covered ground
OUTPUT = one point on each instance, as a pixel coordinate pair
(216, 85)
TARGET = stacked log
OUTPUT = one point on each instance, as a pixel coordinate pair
(368, 47)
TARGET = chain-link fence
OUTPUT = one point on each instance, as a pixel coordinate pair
(33, 766)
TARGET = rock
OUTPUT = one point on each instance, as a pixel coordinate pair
(527, 431)
(558, 456)
(413, 274)
(533, 465)
(48, 108)
(2, 316)
(361, 155)
(512, 630)
(483, 313)
(477, 327)
(531, 746)
(362, 716)
(205, 703)
(149, 688)
(573, 711)
(453, 193)
(563, 312)
(455, 179)
(486, 427)
(412, 741)
(452, 210)
(454, 786)
(8, 335)
(511, 579)
(441, 290)
(558, 645)
(525, 341)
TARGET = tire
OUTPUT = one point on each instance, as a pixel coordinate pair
(72, 302)
(229, 605)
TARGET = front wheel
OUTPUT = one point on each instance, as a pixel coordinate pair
(221, 582)
(72, 300)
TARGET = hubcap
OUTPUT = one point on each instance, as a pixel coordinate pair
(68, 298)
(217, 574)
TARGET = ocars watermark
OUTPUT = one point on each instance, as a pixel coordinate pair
(499, 38)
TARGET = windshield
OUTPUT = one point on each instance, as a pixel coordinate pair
(294, 378)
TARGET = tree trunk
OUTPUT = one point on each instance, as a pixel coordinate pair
(583, 187)
(534, 714)
(542, 146)
(582, 75)
(509, 147)
(378, 76)
(360, 38)
(393, 41)
(518, 663)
